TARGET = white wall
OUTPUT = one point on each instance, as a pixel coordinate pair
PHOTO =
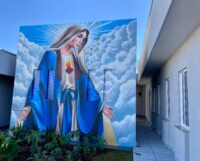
(188, 55)
(7, 63)
(7, 72)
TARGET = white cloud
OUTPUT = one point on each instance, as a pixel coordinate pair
(28, 58)
(29, 53)
(116, 51)
(127, 140)
(19, 101)
(14, 117)
(125, 125)
(124, 130)
(126, 95)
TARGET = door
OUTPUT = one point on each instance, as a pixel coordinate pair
(140, 101)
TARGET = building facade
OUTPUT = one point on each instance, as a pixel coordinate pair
(168, 71)
(7, 72)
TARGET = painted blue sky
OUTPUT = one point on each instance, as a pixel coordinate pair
(14, 14)
(47, 34)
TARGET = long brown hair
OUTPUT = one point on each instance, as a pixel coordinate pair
(69, 34)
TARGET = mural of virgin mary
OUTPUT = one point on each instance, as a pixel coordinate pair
(75, 103)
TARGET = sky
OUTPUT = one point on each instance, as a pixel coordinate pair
(14, 14)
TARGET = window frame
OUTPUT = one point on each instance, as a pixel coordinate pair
(159, 99)
(154, 100)
(167, 98)
(183, 102)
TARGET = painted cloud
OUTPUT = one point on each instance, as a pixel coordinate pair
(28, 58)
(116, 53)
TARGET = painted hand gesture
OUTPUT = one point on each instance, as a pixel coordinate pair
(24, 113)
(108, 112)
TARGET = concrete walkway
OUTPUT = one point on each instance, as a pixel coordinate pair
(150, 146)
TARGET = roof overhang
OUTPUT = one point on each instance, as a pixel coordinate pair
(182, 19)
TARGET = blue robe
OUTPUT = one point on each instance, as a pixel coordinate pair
(43, 115)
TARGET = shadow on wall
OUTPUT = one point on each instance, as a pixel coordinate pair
(6, 92)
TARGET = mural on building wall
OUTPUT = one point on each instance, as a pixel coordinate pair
(78, 77)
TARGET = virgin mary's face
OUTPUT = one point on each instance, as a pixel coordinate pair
(78, 40)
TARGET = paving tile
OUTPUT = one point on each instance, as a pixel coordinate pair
(143, 150)
(150, 146)
(144, 156)
(160, 149)
(143, 159)
(164, 156)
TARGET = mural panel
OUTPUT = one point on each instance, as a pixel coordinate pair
(78, 76)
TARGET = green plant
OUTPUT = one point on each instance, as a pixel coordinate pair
(33, 137)
(9, 148)
(64, 140)
(100, 143)
(76, 152)
(39, 156)
(53, 137)
(36, 152)
(56, 152)
(69, 156)
(87, 146)
(19, 133)
(75, 146)
(50, 150)
(74, 135)
(2, 137)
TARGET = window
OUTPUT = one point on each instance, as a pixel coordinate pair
(158, 101)
(150, 103)
(184, 105)
(154, 100)
(167, 99)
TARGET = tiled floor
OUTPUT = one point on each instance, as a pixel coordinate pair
(150, 146)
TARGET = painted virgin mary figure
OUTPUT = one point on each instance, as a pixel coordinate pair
(75, 103)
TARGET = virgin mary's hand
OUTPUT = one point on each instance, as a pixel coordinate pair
(108, 112)
(24, 113)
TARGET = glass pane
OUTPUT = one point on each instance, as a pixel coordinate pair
(186, 100)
